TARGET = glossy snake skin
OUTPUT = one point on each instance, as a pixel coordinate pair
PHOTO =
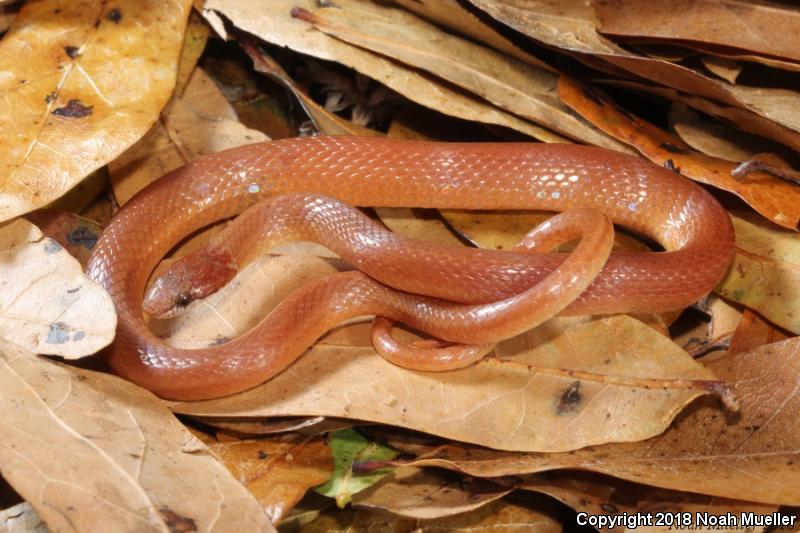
(681, 216)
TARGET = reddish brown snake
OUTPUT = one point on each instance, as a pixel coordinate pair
(680, 215)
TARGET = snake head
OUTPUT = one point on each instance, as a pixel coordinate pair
(192, 277)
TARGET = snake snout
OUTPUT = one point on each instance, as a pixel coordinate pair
(190, 278)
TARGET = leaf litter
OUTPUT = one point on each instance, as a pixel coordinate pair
(619, 396)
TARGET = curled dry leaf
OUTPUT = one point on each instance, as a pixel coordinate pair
(600, 495)
(503, 404)
(570, 24)
(715, 138)
(283, 30)
(327, 123)
(278, 473)
(765, 274)
(505, 82)
(754, 456)
(753, 332)
(425, 494)
(743, 118)
(77, 235)
(725, 68)
(66, 110)
(773, 197)
(48, 305)
(90, 451)
(199, 122)
(713, 330)
(453, 15)
(765, 29)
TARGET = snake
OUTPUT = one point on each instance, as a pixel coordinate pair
(436, 289)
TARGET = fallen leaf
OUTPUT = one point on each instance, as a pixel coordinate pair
(349, 447)
(197, 123)
(712, 332)
(283, 30)
(308, 426)
(507, 83)
(754, 457)
(570, 24)
(327, 123)
(425, 495)
(765, 273)
(774, 198)
(767, 29)
(48, 305)
(77, 235)
(596, 397)
(649, 509)
(453, 15)
(725, 68)
(715, 138)
(743, 118)
(66, 110)
(90, 451)
(753, 332)
(277, 473)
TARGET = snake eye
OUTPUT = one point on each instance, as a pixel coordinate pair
(183, 299)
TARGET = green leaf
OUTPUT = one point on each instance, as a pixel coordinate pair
(349, 446)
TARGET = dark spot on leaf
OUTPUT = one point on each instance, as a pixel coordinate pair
(73, 291)
(114, 15)
(51, 247)
(73, 109)
(570, 399)
(609, 508)
(50, 97)
(671, 148)
(177, 523)
(58, 333)
(82, 236)
(78, 336)
(262, 454)
(71, 51)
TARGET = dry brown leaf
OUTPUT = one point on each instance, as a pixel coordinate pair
(773, 197)
(453, 15)
(507, 515)
(90, 451)
(283, 30)
(767, 29)
(715, 138)
(753, 332)
(327, 123)
(278, 473)
(570, 24)
(66, 110)
(765, 274)
(507, 83)
(713, 332)
(308, 426)
(753, 457)
(48, 305)
(423, 494)
(199, 122)
(726, 68)
(534, 407)
(77, 235)
(743, 118)
(600, 495)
